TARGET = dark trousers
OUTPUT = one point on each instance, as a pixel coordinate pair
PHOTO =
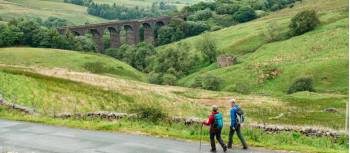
(239, 134)
(216, 133)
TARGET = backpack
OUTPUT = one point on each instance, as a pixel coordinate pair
(218, 122)
(240, 116)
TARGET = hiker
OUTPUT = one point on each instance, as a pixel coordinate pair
(215, 122)
(237, 118)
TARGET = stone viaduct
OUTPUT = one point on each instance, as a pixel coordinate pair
(132, 28)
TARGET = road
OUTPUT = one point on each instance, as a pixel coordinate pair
(23, 137)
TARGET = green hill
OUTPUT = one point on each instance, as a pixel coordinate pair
(44, 9)
(321, 54)
(71, 60)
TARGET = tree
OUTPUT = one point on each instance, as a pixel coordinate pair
(227, 9)
(52, 39)
(244, 14)
(303, 22)
(28, 27)
(173, 60)
(201, 15)
(54, 22)
(165, 34)
(192, 28)
(208, 47)
(9, 35)
(301, 84)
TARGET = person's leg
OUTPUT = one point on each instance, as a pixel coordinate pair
(212, 140)
(230, 136)
(218, 137)
(240, 136)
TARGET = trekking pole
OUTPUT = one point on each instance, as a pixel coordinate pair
(200, 140)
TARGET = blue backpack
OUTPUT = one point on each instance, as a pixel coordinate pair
(218, 121)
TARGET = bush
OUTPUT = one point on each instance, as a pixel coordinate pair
(301, 84)
(169, 79)
(208, 82)
(95, 67)
(150, 113)
(244, 14)
(208, 48)
(155, 78)
(202, 15)
(240, 87)
(303, 22)
(227, 9)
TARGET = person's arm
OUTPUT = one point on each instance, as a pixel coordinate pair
(233, 117)
(209, 121)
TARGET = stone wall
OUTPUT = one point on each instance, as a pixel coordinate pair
(226, 60)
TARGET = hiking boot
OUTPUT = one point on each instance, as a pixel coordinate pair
(225, 148)
(213, 150)
(229, 147)
(245, 147)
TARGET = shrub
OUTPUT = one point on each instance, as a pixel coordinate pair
(244, 14)
(227, 9)
(240, 87)
(303, 22)
(203, 15)
(301, 84)
(169, 79)
(208, 47)
(95, 67)
(155, 78)
(210, 82)
(150, 113)
(207, 81)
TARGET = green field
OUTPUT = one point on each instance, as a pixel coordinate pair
(45, 8)
(75, 14)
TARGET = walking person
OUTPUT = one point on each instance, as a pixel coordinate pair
(215, 122)
(237, 118)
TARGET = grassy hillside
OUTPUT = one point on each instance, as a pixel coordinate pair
(148, 3)
(71, 60)
(44, 9)
(316, 54)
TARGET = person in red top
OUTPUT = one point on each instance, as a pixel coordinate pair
(215, 130)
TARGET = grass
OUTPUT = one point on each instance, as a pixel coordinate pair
(71, 60)
(51, 95)
(317, 53)
(45, 8)
(254, 137)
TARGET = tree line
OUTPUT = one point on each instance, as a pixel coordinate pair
(120, 12)
(32, 32)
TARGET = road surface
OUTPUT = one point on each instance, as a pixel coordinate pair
(23, 137)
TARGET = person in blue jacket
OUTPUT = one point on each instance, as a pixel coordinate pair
(235, 124)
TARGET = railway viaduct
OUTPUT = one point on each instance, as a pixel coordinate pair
(132, 28)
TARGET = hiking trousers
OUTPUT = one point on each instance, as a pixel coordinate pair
(239, 134)
(216, 133)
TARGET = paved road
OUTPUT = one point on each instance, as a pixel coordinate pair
(23, 137)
